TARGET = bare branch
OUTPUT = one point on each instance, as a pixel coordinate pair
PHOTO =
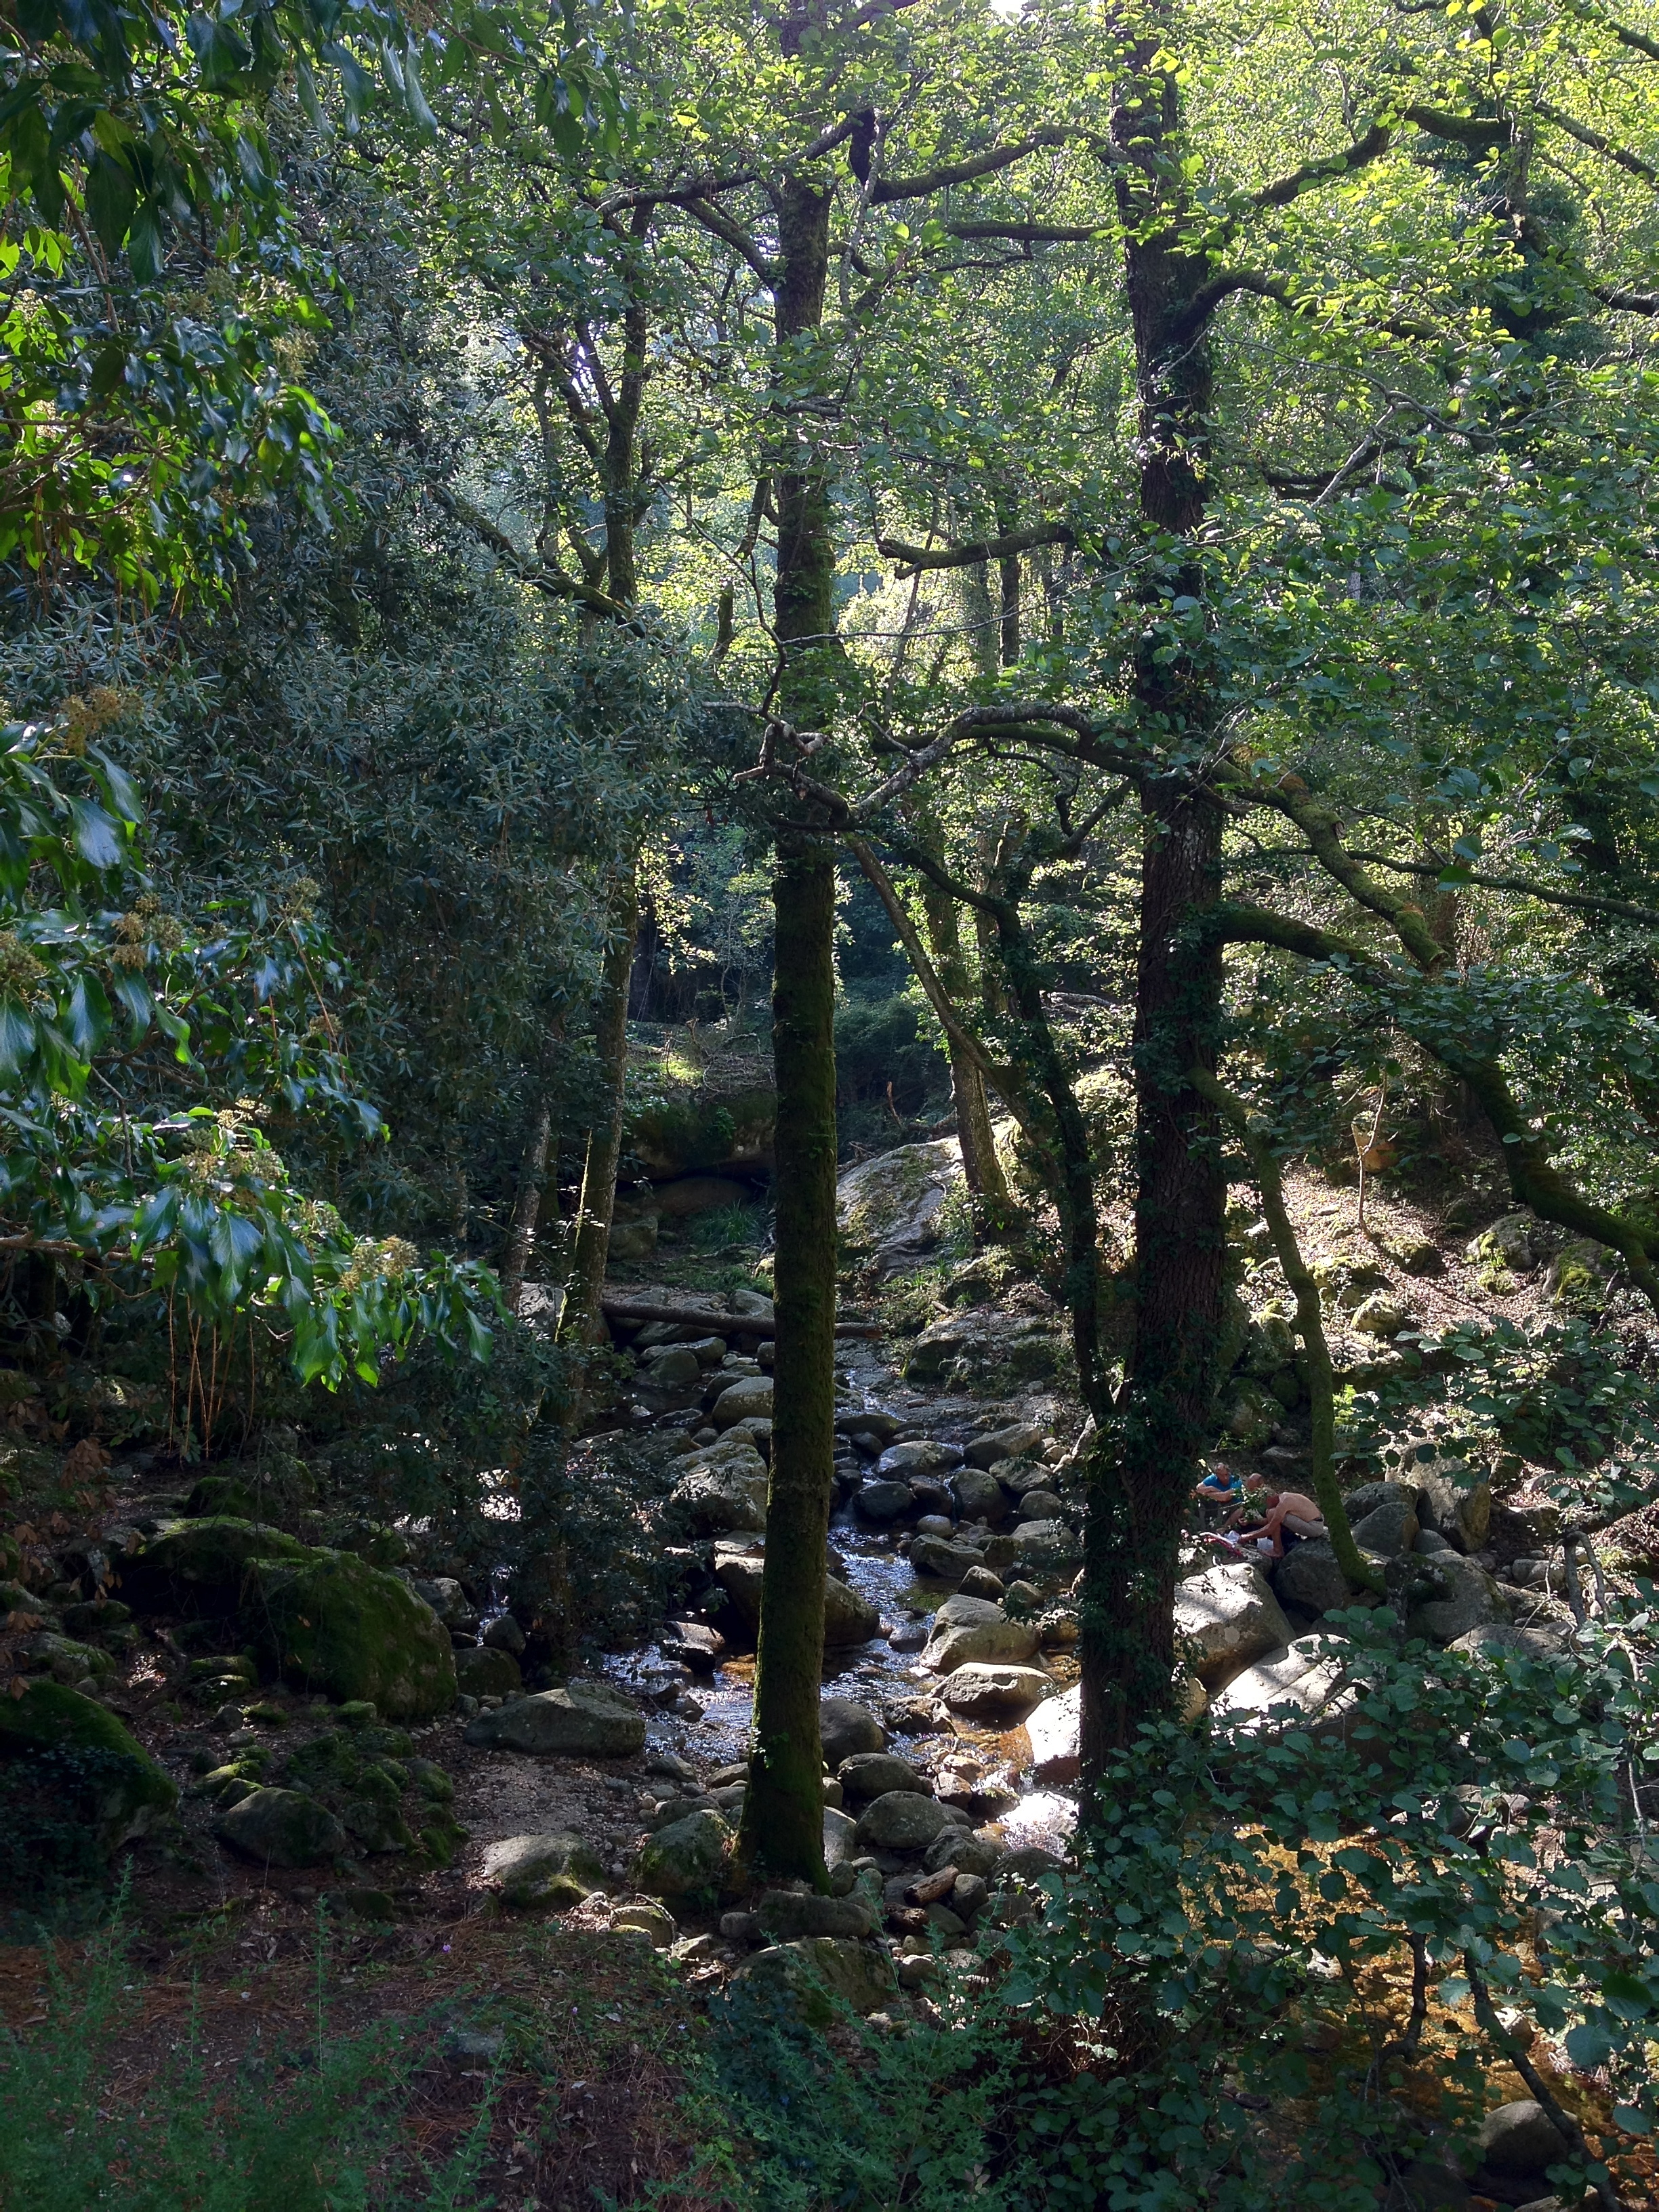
(716, 219)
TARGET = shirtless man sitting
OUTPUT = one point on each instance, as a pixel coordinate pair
(1290, 1518)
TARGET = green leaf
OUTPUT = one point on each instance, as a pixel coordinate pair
(17, 1038)
(110, 198)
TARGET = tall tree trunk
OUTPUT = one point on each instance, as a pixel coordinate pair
(580, 1322)
(527, 1205)
(782, 1811)
(1142, 1474)
(987, 1186)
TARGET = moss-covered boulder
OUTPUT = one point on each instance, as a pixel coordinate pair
(198, 1567)
(66, 1762)
(715, 1126)
(329, 1621)
(537, 1870)
(687, 1858)
(281, 1828)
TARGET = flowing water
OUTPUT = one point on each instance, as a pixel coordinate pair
(984, 1765)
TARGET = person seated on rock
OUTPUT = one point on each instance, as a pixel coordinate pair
(1222, 1487)
(1290, 1519)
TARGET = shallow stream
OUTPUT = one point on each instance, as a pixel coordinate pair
(873, 1674)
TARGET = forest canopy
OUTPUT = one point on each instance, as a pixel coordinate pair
(613, 617)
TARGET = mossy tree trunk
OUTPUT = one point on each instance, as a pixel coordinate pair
(783, 1808)
(1146, 1461)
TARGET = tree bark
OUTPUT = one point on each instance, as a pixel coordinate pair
(581, 1320)
(527, 1204)
(987, 1186)
(783, 1807)
(1145, 1464)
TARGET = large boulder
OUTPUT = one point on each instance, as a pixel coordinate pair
(684, 1859)
(1500, 1639)
(786, 1915)
(1309, 1577)
(552, 1870)
(1455, 1501)
(987, 1351)
(1056, 1733)
(901, 1821)
(584, 1720)
(1228, 1617)
(883, 1502)
(848, 1616)
(949, 1561)
(995, 1694)
(1520, 2140)
(875, 1773)
(1045, 1546)
(818, 1971)
(889, 1208)
(918, 1455)
(979, 1495)
(196, 1567)
(1466, 1597)
(847, 1729)
(1298, 1677)
(725, 1494)
(62, 1754)
(749, 1398)
(1015, 1442)
(971, 1628)
(329, 1621)
(1390, 1527)
(282, 1828)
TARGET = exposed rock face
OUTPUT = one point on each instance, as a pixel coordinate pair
(889, 1208)
(987, 1351)
(979, 1495)
(981, 1691)
(331, 1622)
(685, 1858)
(1056, 1733)
(1229, 1617)
(583, 1720)
(539, 1870)
(884, 1503)
(124, 1791)
(1044, 1546)
(939, 1555)
(1497, 1637)
(918, 1455)
(281, 1828)
(1390, 1527)
(1012, 1442)
(1469, 1598)
(848, 1617)
(972, 1628)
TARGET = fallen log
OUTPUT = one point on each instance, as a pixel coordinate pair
(716, 1323)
